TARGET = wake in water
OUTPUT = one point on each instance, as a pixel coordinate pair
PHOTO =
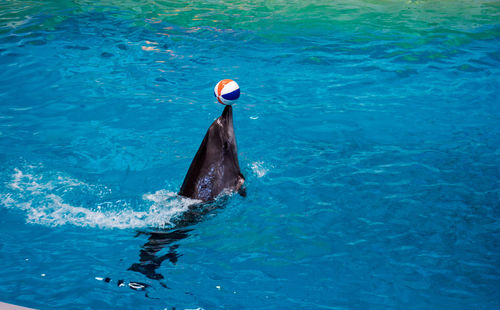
(53, 198)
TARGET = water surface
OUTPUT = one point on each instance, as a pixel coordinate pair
(368, 132)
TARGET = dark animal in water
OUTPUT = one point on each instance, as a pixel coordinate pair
(215, 166)
(214, 170)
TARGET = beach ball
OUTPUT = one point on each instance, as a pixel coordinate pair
(227, 91)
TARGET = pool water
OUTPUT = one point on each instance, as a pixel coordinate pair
(368, 133)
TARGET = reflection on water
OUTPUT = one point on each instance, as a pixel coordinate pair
(151, 256)
(150, 261)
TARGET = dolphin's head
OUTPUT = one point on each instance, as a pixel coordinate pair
(223, 138)
(215, 167)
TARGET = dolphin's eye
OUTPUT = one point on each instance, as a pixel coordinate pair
(225, 146)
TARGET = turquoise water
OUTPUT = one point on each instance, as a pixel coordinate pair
(368, 133)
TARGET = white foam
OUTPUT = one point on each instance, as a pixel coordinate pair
(44, 198)
(259, 169)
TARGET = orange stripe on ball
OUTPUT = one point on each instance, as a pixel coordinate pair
(222, 84)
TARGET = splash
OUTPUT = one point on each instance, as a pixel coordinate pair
(259, 169)
(49, 199)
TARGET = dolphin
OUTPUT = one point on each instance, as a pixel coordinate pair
(215, 168)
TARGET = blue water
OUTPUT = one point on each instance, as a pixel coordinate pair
(368, 134)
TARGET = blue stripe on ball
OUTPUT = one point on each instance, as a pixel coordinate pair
(232, 95)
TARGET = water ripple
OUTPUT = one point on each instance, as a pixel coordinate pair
(367, 131)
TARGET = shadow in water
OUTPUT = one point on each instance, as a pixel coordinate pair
(149, 262)
(150, 259)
